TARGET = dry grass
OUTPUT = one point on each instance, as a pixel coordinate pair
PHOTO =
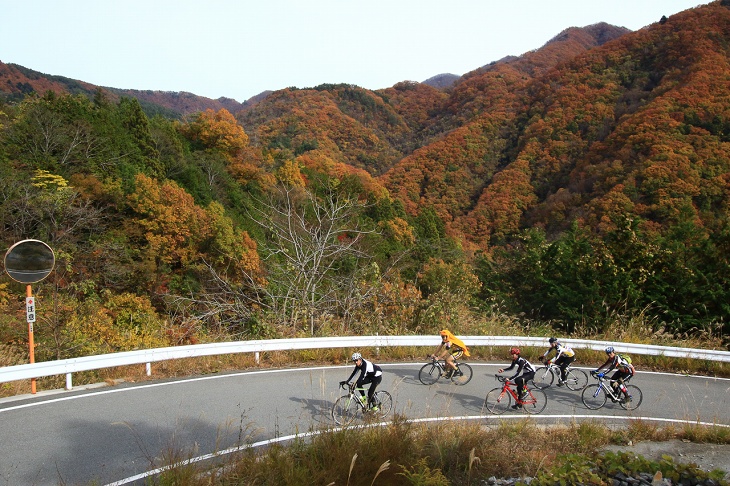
(440, 454)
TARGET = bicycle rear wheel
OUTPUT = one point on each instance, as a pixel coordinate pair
(594, 397)
(462, 375)
(429, 374)
(636, 398)
(543, 378)
(345, 410)
(497, 401)
(576, 379)
(535, 402)
(384, 402)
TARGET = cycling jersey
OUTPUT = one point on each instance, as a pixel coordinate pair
(560, 350)
(367, 369)
(617, 362)
(454, 345)
(521, 364)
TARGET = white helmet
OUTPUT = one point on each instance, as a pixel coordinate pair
(356, 356)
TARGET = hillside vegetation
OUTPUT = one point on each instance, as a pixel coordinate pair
(580, 188)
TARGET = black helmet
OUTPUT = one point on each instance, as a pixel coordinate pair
(609, 350)
(553, 340)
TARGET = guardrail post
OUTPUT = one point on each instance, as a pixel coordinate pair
(148, 368)
(69, 384)
(257, 357)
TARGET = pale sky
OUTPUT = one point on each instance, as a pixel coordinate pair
(239, 48)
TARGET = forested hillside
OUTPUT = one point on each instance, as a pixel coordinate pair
(579, 185)
(17, 81)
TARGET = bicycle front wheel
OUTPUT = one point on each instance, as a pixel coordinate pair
(543, 378)
(429, 374)
(497, 401)
(576, 379)
(535, 401)
(384, 402)
(635, 400)
(462, 375)
(344, 410)
(594, 397)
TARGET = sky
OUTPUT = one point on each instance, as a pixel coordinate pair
(239, 48)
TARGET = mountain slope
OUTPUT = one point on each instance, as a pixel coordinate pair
(638, 126)
(17, 81)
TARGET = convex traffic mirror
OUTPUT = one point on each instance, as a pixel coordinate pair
(29, 261)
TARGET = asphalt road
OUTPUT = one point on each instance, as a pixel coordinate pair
(110, 435)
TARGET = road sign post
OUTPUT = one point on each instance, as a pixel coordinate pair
(28, 262)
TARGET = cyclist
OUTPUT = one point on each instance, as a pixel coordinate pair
(564, 355)
(624, 371)
(449, 349)
(526, 376)
(369, 373)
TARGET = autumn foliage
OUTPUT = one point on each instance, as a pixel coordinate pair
(583, 180)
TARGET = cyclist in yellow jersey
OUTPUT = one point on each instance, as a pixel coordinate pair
(449, 349)
(564, 355)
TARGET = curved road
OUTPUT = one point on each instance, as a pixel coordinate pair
(112, 435)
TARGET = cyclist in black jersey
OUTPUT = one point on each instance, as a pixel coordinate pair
(527, 375)
(624, 371)
(369, 373)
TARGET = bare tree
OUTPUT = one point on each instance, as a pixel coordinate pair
(313, 241)
(313, 259)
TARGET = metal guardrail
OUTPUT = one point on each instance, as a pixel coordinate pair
(149, 356)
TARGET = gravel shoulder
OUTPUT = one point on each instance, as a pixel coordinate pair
(707, 457)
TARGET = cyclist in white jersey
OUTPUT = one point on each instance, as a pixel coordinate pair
(564, 355)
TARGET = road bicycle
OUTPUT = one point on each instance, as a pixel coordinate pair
(431, 372)
(575, 379)
(499, 399)
(595, 396)
(352, 405)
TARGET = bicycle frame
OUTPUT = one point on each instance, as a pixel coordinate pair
(508, 388)
(354, 395)
(439, 363)
(498, 399)
(434, 370)
(347, 407)
(605, 384)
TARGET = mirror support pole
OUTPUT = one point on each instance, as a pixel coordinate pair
(31, 344)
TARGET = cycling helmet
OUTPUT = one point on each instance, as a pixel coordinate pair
(444, 332)
(356, 356)
(609, 350)
(514, 351)
(553, 340)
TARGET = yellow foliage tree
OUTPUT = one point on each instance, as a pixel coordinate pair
(217, 130)
(171, 222)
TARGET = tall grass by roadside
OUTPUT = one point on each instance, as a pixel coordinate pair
(447, 453)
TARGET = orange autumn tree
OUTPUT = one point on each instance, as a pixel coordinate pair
(170, 222)
(216, 130)
(178, 233)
